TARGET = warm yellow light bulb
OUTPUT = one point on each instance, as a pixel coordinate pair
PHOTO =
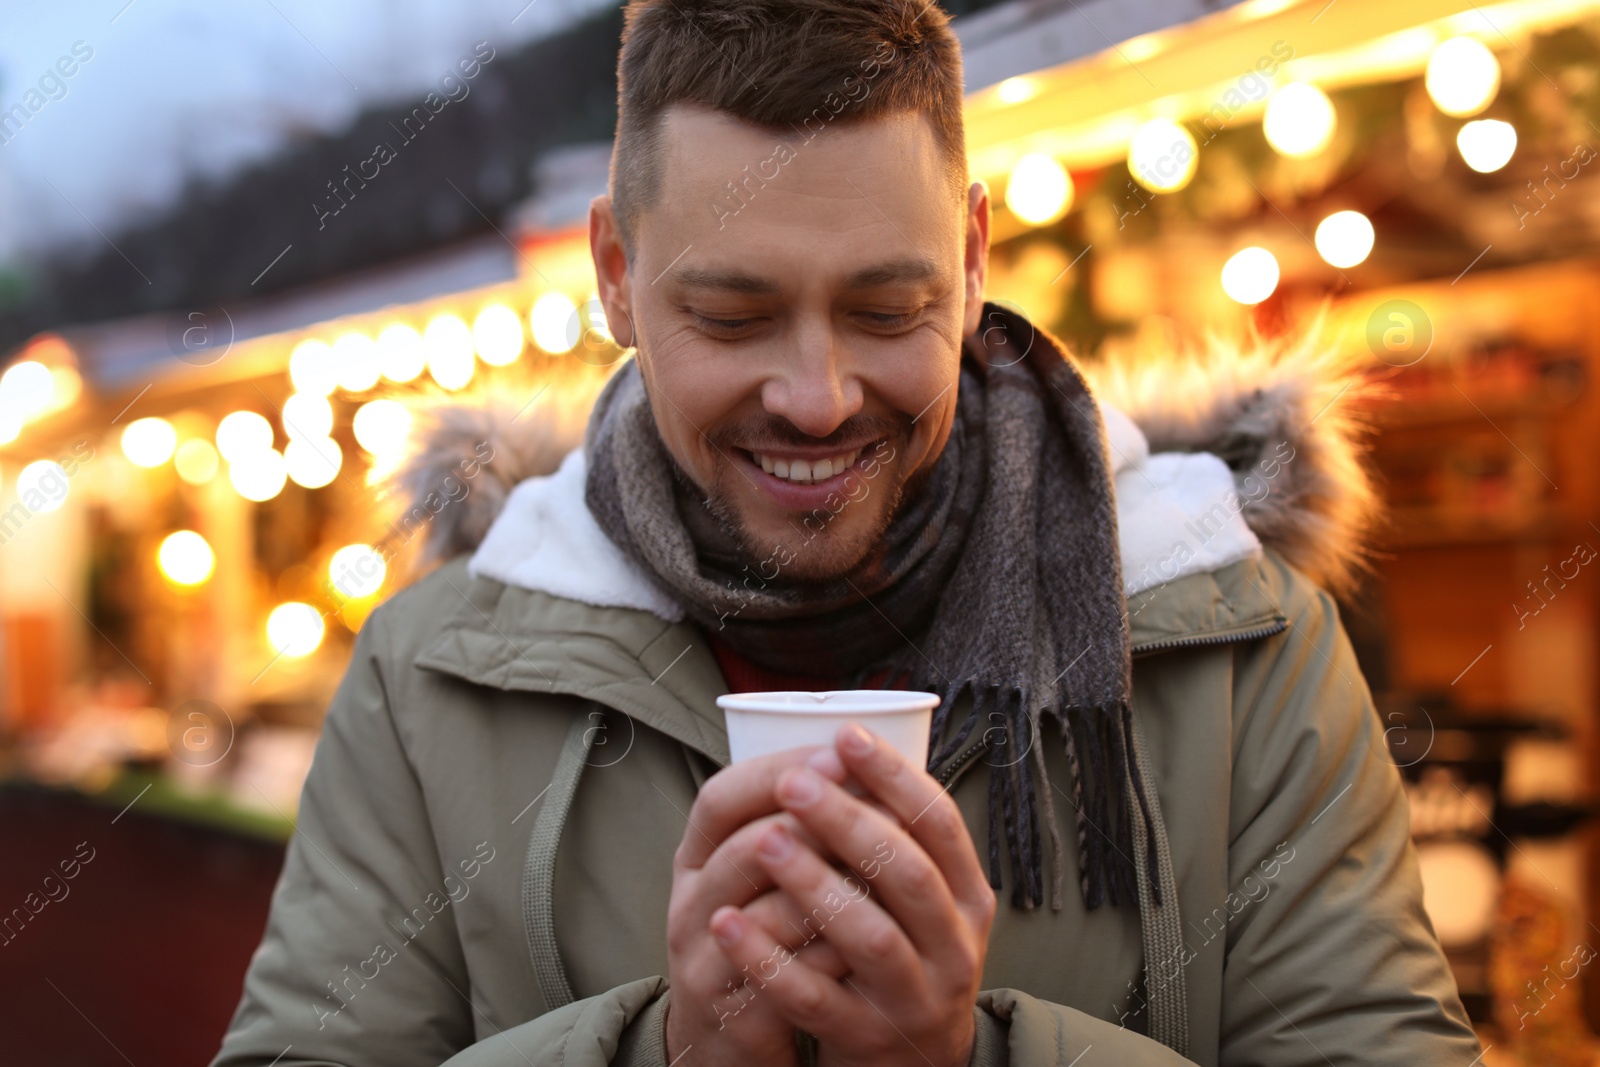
(448, 341)
(355, 356)
(260, 475)
(313, 367)
(1345, 238)
(1487, 144)
(356, 571)
(307, 415)
(185, 558)
(1250, 275)
(42, 485)
(497, 334)
(1299, 121)
(1163, 156)
(241, 434)
(1039, 190)
(1463, 76)
(149, 442)
(312, 462)
(294, 629)
(382, 427)
(401, 354)
(554, 322)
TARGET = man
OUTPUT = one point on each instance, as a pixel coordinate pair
(1160, 827)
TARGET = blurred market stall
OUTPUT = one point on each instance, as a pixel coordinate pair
(195, 526)
(1413, 177)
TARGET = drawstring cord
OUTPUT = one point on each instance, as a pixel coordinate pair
(539, 871)
(1159, 921)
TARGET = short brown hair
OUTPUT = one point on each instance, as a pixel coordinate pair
(794, 66)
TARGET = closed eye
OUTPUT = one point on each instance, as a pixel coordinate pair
(721, 327)
(891, 321)
(726, 324)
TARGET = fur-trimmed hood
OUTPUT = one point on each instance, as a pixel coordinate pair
(1295, 399)
(1279, 414)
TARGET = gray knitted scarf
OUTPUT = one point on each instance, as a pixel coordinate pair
(999, 575)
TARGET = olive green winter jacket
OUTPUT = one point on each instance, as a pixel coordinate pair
(483, 859)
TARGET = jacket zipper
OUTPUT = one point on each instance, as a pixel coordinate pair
(1277, 626)
(957, 765)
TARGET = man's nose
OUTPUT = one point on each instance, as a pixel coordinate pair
(815, 386)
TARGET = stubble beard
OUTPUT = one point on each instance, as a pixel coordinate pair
(822, 549)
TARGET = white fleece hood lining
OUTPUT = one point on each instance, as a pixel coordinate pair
(1178, 513)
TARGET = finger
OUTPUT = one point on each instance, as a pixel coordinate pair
(730, 798)
(907, 881)
(782, 920)
(926, 809)
(742, 982)
(809, 999)
(824, 959)
(840, 908)
(732, 875)
(739, 985)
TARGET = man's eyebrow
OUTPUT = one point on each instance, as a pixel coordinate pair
(728, 281)
(911, 269)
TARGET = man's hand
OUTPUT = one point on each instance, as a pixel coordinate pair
(912, 927)
(722, 1010)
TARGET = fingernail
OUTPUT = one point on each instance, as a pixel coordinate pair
(826, 763)
(727, 928)
(800, 787)
(776, 845)
(855, 740)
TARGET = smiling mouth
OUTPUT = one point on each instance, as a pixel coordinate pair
(805, 470)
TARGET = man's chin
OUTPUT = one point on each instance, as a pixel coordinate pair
(817, 564)
(806, 553)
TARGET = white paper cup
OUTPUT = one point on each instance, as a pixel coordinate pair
(760, 724)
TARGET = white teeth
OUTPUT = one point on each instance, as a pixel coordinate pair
(806, 472)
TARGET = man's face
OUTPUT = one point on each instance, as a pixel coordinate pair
(800, 339)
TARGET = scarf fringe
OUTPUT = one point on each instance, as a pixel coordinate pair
(1107, 793)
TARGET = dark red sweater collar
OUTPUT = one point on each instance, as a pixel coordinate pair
(744, 676)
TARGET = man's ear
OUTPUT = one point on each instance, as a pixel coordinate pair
(611, 269)
(976, 264)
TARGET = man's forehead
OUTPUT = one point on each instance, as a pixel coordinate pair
(908, 269)
(867, 203)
